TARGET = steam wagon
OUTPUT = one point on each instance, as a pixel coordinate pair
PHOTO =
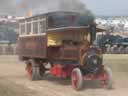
(66, 42)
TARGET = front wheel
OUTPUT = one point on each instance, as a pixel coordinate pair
(76, 79)
(108, 81)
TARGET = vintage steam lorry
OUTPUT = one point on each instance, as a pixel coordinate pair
(66, 42)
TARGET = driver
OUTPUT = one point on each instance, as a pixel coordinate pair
(84, 49)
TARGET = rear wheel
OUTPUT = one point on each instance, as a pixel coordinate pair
(34, 70)
(76, 79)
(29, 69)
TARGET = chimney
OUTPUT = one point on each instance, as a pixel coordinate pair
(29, 13)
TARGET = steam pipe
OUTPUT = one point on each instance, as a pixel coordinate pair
(92, 30)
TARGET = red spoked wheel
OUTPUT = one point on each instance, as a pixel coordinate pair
(76, 79)
(107, 83)
(35, 71)
(29, 69)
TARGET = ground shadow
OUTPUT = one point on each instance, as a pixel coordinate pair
(86, 84)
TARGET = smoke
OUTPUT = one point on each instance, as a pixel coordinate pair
(21, 7)
(43, 6)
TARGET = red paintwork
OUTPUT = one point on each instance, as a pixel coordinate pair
(29, 71)
(101, 77)
(62, 70)
(74, 80)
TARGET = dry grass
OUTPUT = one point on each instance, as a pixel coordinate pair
(9, 59)
(118, 63)
(11, 89)
(8, 87)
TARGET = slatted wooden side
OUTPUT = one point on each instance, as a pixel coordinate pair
(32, 46)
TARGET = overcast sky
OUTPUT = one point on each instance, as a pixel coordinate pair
(98, 7)
(107, 7)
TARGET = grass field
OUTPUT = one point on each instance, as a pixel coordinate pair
(8, 88)
(13, 81)
(118, 63)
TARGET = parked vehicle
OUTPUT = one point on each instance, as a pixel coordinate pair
(113, 44)
(59, 39)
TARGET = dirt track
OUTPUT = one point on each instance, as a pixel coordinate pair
(12, 72)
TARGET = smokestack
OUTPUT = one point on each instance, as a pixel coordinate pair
(29, 13)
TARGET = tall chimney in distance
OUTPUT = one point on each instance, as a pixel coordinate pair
(29, 13)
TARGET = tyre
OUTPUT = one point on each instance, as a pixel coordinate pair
(115, 50)
(34, 70)
(121, 50)
(42, 70)
(112, 50)
(126, 50)
(108, 81)
(76, 79)
(108, 49)
(28, 69)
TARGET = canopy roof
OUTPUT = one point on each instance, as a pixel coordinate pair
(74, 28)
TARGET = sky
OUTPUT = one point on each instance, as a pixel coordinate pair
(98, 7)
(107, 7)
